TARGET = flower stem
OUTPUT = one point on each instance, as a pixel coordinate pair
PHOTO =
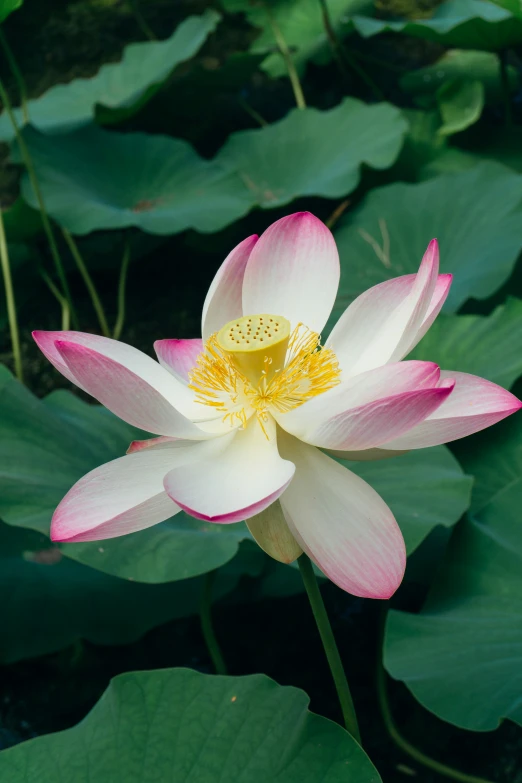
(62, 301)
(15, 70)
(287, 56)
(206, 624)
(87, 279)
(11, 304)
(39, 197)
(330, 647)
(120, 319)
(407, 747)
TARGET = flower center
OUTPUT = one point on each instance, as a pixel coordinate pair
(256, 365)
(257, 344)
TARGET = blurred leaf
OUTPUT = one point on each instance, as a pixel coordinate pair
(476, 214)
(466, 24)
(460, 64)
(424, 489)
(21, 222)
(124, 85)
(49, 601)
(460, 105)
(93, 179)
(488, 346)
(179, 725)
(46, 446)
(301, 25)
(462, 655)
(449, 161)
(7, 7)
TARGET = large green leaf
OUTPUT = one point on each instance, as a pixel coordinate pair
(7, 7)
(476, 215)
(93, 179)
(124, 85)
(460, 65)
(467, 24)
(49, 601)
(300, 23)
(462, 655)
(179, 726)
(424, 489)
(45, 446)
(488, 346)
(334, 144)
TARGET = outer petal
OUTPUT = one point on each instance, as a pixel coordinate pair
(370, 425)
(342, 524)
(178, 356)
(139, 392)
(473, 405)
(247, 477)
(386, 322)
(163, 442)
(271, 532)
(223, 301)
(126, 494)
(120, 497)
(363, 395)
(293, 271)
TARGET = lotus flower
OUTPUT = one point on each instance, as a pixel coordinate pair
(252, 417)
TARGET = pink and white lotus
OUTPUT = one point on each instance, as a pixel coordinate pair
(249, 414)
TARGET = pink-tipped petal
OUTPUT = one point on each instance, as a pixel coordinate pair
(293, 271)
(384, 323)
(440, 295)
(370, 425)
(127, 494)
(163, 442)
(46, 342)
(342, 524)
(223, 302)
(473, 405)
(178, 356)
(364, 396)
(138, 391)
(121, 497)
(247, 478)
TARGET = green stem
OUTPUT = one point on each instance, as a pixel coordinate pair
(407, 747)
(142, 24)
(333, 40)
(506, 92)
(66, 316)
(120, 318)
(290, 67)
(330, 647)
(206, 624)
(11, 304)
(252, 112)
(15, 70)
(39, 197)
(89, 284)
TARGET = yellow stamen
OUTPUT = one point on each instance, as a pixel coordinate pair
(240, 376)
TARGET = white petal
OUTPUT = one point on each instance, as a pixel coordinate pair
(223, 302)
(293, 271)
(383, 324)
(368, 405)
(342, 524)
(473, 405)
(244, 480)
(178, 356)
